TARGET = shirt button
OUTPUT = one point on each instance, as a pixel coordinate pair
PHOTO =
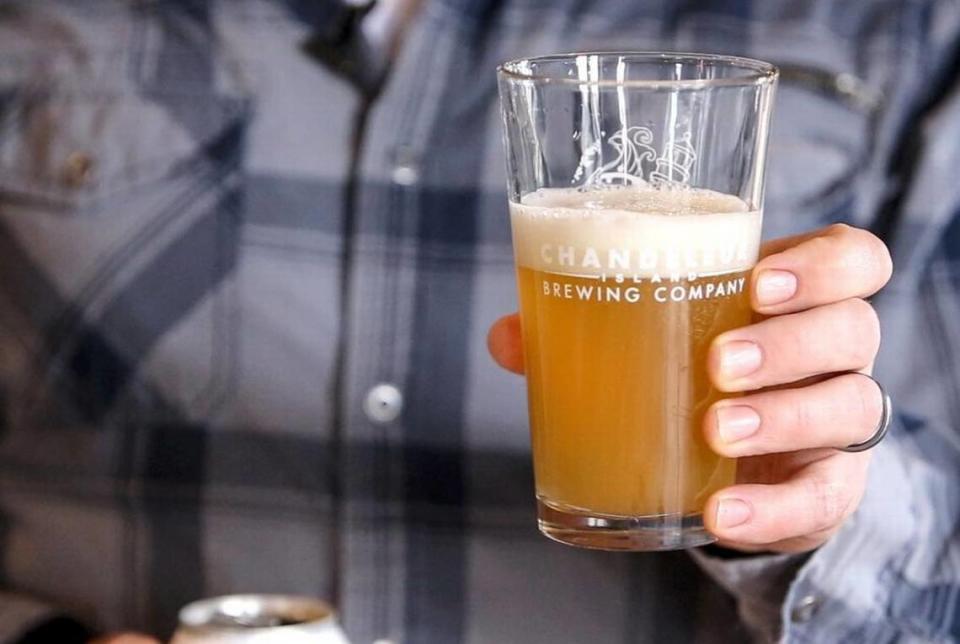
(805, 609)
(406, 169)
(78, 169)
(405, 174)
(383, 403)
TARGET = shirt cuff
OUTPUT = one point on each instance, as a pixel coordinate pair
(759, 583)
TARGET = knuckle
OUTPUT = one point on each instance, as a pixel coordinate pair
(882, 259)
(831, 503)
(866, 257)
(871, 328)
(857, 252)
(839, 229)
(863, 326)
(869, 253)
(801, 416)
(823, 248)
(865, 397)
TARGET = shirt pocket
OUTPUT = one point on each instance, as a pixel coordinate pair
(74, 151)
(119, 218)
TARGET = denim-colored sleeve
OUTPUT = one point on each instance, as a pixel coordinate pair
(844, 586)
(759, 582)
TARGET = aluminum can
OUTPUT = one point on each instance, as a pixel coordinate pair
(258, 619)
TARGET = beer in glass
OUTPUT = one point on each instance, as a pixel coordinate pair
(635, 185)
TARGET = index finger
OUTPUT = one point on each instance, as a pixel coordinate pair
(830, 265)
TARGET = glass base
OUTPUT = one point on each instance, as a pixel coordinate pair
(638, 534)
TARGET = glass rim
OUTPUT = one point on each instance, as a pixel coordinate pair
(758, 71)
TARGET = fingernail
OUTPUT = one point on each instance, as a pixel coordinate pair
(737, 422)
(739, 358)
(732, 512)
(775, 287)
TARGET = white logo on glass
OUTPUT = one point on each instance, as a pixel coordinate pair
(637, 161)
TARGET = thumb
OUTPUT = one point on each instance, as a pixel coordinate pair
(504, 343)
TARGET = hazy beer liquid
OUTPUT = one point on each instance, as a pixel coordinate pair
(621, 292)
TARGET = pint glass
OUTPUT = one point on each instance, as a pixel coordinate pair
(636, 190)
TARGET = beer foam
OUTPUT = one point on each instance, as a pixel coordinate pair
(634, 232)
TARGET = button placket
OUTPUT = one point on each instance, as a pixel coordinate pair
(405, 169)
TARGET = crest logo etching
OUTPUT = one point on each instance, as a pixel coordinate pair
(637, 161)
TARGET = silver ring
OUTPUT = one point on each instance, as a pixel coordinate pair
(885, 416)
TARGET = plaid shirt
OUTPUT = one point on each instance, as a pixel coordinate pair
(243, 307)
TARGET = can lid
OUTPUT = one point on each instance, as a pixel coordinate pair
(255, 611)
